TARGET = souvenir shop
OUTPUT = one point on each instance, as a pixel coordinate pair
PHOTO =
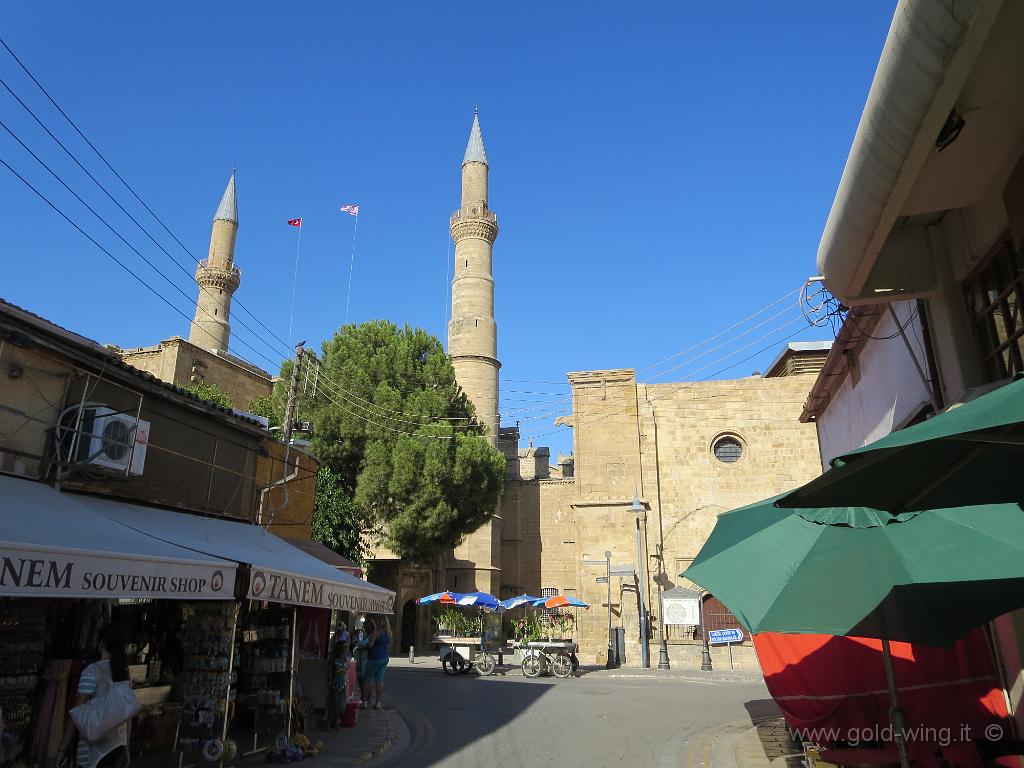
(217, 616)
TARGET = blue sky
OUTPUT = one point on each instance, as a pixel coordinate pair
(659, 172)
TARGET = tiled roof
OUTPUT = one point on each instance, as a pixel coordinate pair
(111, 358)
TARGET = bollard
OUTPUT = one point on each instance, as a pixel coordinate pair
(412, 655)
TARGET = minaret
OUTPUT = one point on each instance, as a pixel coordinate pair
(472, 333)
(218, 278)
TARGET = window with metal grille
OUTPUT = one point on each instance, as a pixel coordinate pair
(549, 592)
(995, 296)
(728, 449)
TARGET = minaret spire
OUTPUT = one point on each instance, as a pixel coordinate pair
(475, 148)
(218, 277)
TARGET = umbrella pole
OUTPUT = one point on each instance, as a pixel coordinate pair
(895, 713)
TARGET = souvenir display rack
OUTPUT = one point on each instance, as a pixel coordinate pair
(267, 672)
(206, 684)
(22, 637)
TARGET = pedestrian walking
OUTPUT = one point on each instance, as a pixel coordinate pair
(359, 651)
(337, 667)
(378, 645)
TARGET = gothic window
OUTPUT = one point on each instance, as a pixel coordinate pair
(995, 299)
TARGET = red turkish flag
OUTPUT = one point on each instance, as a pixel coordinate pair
(294, 222)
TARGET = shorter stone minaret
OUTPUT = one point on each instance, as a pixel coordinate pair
(218, 278)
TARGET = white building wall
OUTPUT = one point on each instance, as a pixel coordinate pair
(880, 393)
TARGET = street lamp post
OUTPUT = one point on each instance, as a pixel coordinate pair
(705, 651)
(645, 651)
(663, 643)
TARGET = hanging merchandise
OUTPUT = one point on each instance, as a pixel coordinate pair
(205, 685)
(22, 634)
(266, 665)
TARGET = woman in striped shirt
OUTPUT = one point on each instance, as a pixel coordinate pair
(111, 749)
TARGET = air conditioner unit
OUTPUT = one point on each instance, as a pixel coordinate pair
(113, 440)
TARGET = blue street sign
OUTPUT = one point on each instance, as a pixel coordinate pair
(725, 636)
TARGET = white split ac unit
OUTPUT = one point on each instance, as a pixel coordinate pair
(113, 440)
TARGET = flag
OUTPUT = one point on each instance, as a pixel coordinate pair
(294, 222)
(352, 210)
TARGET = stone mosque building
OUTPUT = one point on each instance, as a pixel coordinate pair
(689, 450)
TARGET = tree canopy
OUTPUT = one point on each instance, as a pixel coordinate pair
(393, 426)
(211, 392)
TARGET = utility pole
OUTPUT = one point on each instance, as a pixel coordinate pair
(293, 391)
(645, 651)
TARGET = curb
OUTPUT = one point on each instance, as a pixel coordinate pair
(385, 746)
(688, 677)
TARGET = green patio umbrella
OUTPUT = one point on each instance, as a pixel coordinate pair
(922, 577)
(971, 454)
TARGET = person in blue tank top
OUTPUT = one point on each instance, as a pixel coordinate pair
(378, 651)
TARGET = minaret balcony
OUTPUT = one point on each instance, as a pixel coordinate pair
(474, 222)
(218, 277)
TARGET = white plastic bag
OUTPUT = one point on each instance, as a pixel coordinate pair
(102, 714)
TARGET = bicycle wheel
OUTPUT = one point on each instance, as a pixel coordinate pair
(453, 664)
(532, 666)
(561, 665)
(485, 664)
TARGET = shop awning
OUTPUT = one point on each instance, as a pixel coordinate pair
(279, 572)
(327, 555)
(54, 544)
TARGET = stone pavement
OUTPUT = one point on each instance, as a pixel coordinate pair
(740, 744)
(375, 734)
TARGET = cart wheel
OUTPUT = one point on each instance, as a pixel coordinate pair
(453, 664)
(485, 664)
(213, 750)
(532, 666)
(561, 665)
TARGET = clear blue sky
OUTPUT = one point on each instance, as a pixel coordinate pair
(659, 172)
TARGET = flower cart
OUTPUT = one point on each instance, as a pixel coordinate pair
(543, 640)
(465, 640)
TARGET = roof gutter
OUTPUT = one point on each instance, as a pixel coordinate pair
(928, 55)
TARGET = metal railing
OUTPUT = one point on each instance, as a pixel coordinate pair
(205, 264)
(487, 215)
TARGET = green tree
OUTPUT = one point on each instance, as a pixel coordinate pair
(392, 424)
(266, 406)
(210, 392)
(337, 520)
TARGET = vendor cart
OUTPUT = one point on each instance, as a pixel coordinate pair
(461, 654)
(557, 657)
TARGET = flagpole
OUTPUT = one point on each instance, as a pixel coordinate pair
(295, 282)
(351, 266)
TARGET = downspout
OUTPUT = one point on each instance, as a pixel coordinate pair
(282, 482)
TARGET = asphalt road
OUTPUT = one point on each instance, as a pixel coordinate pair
(590, 721)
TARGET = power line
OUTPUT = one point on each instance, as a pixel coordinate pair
(722, 333)
(120, 178)
(687, 385)
(120, 237)
(123, 210)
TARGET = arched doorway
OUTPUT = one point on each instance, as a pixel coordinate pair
(408, 625)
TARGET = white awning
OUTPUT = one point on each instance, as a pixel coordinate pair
(53, 544)
(280, 572)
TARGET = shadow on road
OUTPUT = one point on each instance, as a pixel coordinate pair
(772, 733)
(445, 713)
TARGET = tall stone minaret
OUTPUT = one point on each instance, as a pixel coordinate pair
(218, 278)
(472, 333)
(473, 345)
